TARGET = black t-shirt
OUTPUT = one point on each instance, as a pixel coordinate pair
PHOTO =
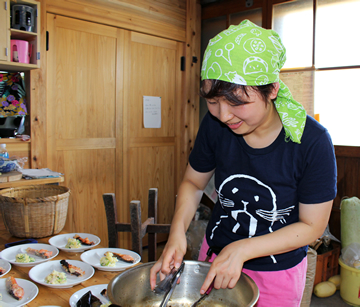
(259, 190)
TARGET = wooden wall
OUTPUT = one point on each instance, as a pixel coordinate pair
(160, 18)
(348, 182)
(172, 19)
(176, 22)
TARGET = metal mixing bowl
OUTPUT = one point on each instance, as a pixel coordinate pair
(132, 288)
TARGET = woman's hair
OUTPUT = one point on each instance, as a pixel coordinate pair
(228, 90)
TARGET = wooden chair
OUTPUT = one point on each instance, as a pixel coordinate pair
(138, 230)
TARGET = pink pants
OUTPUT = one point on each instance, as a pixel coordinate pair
(277, 289)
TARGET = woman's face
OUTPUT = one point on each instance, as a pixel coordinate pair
(242, 119)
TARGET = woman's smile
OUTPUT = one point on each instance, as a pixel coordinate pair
(234, 126)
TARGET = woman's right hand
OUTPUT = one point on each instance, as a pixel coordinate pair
(188, 198)
(172, 256)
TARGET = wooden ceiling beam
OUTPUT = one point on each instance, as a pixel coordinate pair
(227, 7)
(222, 8)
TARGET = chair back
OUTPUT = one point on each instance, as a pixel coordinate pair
(136, 227)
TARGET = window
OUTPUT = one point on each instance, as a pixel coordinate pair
(332, 56)
(337, 33)
(337, 45)
(294, 23)
(337, 101)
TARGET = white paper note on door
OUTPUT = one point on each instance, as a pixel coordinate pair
(152, 111)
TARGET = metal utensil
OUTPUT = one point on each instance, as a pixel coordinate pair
(171, 286)
(204, 295)
(165, 285)
(132, 288)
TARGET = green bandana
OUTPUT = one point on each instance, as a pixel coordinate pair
(247, 54)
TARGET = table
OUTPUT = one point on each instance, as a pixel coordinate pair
(52, 296)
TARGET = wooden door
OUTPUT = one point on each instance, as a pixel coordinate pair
(96, 79)
(151, 155)
(4, 30)
(84, 128)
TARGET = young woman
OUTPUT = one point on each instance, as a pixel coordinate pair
(275, 172)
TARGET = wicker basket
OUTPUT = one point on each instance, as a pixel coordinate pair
(34, 211)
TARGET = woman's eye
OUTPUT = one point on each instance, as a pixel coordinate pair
(211, 102)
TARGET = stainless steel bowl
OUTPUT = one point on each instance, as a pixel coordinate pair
(132, 288)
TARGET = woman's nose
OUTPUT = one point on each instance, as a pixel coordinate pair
(225, 113)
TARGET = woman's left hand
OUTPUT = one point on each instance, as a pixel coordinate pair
(226, 268)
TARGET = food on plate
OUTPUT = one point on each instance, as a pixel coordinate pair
(104, 293)
(13, 288)
(72, 269)
(124, 257)
(2, 270)
(43, 253)
(56, 278)
(85, 241)
(88, 299)
(108, 260)
(73, 243)
(24, 258)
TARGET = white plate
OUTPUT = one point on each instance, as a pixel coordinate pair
(93, 256)
(95, 290)
(38, 273)
(60, 241)
(30, 292)
(6, 266)
(10, 253)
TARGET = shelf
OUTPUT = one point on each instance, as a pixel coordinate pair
(26, 182)
(25, 35)
(13, 32)
(16, 67)
(13, 141)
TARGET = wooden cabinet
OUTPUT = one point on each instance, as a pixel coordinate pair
(97, 77)
(84, 72)
(24, 26)
(4, 25)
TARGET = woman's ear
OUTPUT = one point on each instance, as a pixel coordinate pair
(275, 90)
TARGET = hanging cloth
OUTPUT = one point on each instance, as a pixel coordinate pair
(12, 95)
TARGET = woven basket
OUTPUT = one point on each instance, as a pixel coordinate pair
(34, 211)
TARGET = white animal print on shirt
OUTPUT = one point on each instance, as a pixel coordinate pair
(243, 206)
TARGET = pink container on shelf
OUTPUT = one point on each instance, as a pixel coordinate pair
(20, 51)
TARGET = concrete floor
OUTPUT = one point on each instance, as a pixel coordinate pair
(332, 301)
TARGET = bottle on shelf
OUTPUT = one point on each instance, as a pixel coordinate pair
(3, 151)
